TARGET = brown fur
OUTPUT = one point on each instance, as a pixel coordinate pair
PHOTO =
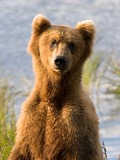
(58, 120)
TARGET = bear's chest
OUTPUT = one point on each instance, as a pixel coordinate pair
(55, 130)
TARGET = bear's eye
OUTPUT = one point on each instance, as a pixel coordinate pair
(53, 44)
(71, 46)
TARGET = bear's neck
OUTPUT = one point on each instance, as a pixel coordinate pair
(56, 89)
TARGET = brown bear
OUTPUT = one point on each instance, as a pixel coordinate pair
(58, 120)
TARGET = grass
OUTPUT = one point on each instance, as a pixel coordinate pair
(114, 77)
(7, 118)
(90, 70)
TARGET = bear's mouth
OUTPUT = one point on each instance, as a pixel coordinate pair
(60, 70)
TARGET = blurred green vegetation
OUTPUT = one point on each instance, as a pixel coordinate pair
(7, 118)
(99, 72)
(114, 77)
(90, 71)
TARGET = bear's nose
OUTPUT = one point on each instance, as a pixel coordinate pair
(61, 62)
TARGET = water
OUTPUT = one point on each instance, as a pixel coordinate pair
(15, 27)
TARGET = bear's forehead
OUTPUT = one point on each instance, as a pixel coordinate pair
(62, 32)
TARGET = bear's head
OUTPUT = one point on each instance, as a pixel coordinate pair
(60, 49)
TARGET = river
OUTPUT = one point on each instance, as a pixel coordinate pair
(15, 28)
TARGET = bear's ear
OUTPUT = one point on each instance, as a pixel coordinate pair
(39, 25)
(87, 29)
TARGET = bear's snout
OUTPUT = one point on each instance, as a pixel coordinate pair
(61, 62)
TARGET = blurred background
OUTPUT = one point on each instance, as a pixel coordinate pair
(101, 76)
